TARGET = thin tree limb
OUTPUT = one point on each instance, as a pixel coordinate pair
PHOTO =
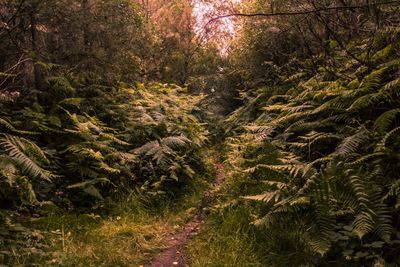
(297, 13)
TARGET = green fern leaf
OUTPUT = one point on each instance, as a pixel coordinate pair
(14, 148)
(353, 143)
(384, 121)
(372, 81)
(366, 158)
(363, 224)
(388, 136)
(266, 197)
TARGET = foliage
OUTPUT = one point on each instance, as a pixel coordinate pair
(61, 152)
(336, 174)
(314, 150)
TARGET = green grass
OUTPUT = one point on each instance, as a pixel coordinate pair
(229, 237)
(226, 240)
(129, 234)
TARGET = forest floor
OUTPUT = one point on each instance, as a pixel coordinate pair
(197, 228)
(135, 231)
(174, 255)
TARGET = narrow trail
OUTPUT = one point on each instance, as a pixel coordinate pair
(173, 255)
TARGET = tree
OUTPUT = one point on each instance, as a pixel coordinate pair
(106, 40)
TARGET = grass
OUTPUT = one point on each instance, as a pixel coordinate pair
(226, 240)
(228, 237)
(130, 234)
(134, 229)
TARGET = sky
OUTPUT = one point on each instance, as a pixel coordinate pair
(223, 29)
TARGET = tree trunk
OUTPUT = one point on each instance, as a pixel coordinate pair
(38, 73)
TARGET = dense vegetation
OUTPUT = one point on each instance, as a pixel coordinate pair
(73, 136)
(100, 158)
(335, 168)
(314, 150)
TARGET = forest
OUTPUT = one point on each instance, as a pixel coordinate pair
(200, 133)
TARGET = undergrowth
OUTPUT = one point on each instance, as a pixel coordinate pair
(129, 233)
(228, 237)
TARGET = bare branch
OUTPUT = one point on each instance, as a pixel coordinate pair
(297, 13)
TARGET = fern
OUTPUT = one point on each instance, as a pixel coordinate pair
(11, 129)
(384, 121)
(368, 101)
(324, 136)
(353, 143)
(322, 230)
(292, 170)
(372, 81)
(363, 224)
(8, 170)
(88, 183)
(335, 142)
(366, 158)
(7, 125)
(393, 190)
(16, 149)
(392, 88)
(266, 197)
(176, 142)
(385, 140)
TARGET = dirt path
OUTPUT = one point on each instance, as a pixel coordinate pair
(173, 256)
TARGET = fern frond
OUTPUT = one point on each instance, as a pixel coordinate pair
(34, 150)
(383, 221)
(93, 191)
(105, 167)
(388, 136)
(278, 98)
(383, 53)
(322, 229)
(392, 88)
(14, 147)
(175, 142)
(89, 183)
(325, 136)
(260, 129)
(320, 161)
(282, 121)
(84, 152)
(293, 170)
(384, 121)
(333, 104)
(368, 101)
(275, 108)
(11, 129)
(77, 102)
(304, 126)
(372, 81)
(265, 197)
(366, 158)
(114, 139)
(363, 224)
(353, 143)
(7, 125)
(8, 170)
(394, 190)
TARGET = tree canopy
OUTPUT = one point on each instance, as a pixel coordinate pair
(116, 115)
